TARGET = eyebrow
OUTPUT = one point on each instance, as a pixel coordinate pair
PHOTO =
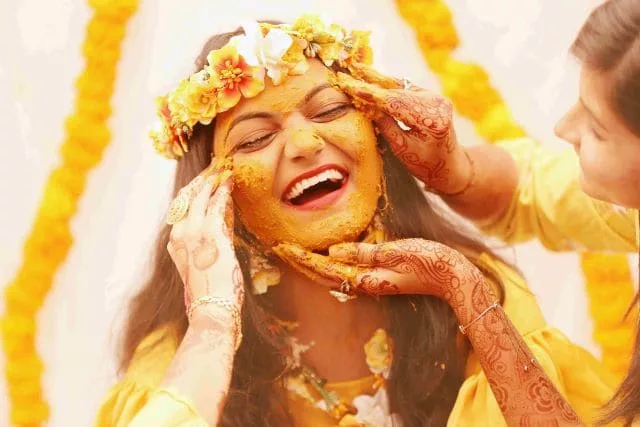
(264, 115)
(247, 116)
(592, 114)
(313, 92)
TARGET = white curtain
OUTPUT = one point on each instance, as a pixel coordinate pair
(522, 45)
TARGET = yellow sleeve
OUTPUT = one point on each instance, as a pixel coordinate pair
(550, 205)
(139, 401)
(586, 388)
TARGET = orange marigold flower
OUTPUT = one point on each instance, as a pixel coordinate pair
(233, 77)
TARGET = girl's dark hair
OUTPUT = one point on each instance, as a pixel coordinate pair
(609, 42)
(423, 329)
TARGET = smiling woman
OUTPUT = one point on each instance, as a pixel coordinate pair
(376, 333)
(290, 152)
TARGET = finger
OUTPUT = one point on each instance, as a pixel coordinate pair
(214, 205)
(387, 255)
(353, 253)
(198, 207)
(316, 267)
(370, 75)
(426, 113)
(395, 136)
(380, 281)
(362, 91)
(219, 217)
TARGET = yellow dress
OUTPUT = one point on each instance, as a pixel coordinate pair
(138, 401)
(549, 205)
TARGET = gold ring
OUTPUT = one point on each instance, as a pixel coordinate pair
(178, 207)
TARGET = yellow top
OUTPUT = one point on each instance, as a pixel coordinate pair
(549, 205)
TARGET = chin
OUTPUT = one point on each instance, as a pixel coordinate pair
(318, 230)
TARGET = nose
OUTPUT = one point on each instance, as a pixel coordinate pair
(568, 127)
(303, 144)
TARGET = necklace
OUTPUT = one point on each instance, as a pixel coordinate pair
(365, 409)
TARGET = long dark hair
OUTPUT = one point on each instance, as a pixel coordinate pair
(609, 42)
(423, 329)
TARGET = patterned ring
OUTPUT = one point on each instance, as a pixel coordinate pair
(178, 208)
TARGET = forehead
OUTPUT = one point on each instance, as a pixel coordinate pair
(283, 98)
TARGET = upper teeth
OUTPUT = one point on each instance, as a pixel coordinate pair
(327, 175)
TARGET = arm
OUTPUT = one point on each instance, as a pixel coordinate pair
(201, 369)
(202, 249)
(524, 392)
(516, 190)
(492, 175)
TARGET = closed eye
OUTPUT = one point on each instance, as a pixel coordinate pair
(255, 144)
(332, 113)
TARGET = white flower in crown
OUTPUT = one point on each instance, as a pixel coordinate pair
(373, 411)
(265, 51)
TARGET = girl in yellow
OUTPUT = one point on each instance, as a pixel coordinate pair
(536, 192)
(407, 327)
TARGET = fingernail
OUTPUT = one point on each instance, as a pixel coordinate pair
(343, 251)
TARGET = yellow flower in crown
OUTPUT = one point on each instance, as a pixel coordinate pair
(357, 49)
(378, 352)
(324, 41)
(169, 136)
(194, 100)
(233, 77)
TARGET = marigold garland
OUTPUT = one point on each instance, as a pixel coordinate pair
(609, 284)
(50, 239)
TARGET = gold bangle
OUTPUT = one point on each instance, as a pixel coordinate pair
(470, 182)
(224, 303)
(464, 329)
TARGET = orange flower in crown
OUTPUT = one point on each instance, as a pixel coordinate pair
(239, 69)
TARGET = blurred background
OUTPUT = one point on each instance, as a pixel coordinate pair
(522, 45)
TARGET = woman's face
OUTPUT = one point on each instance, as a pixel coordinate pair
(609, 152)
(306, 166)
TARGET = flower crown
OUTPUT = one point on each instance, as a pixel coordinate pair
(238, 70)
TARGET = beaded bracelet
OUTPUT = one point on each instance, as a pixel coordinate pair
(224, 303)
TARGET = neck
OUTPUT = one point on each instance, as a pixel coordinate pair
(337, 330)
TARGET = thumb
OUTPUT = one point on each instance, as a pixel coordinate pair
(353, 253)
(391, 130)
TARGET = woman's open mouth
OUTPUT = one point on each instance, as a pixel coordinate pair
(317, 188)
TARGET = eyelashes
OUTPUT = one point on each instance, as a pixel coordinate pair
(328, 115)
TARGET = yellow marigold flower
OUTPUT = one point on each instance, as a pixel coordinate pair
(378, 353)
(195, 99)
(233, 77)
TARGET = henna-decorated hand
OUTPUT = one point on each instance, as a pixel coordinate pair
(429, 148)
(523, 391)
(410, 266)
(201, 244)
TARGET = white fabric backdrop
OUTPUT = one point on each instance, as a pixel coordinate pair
(522, 45)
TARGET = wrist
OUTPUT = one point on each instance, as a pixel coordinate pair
(461, 173)
(475, 295)
(217, 313)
